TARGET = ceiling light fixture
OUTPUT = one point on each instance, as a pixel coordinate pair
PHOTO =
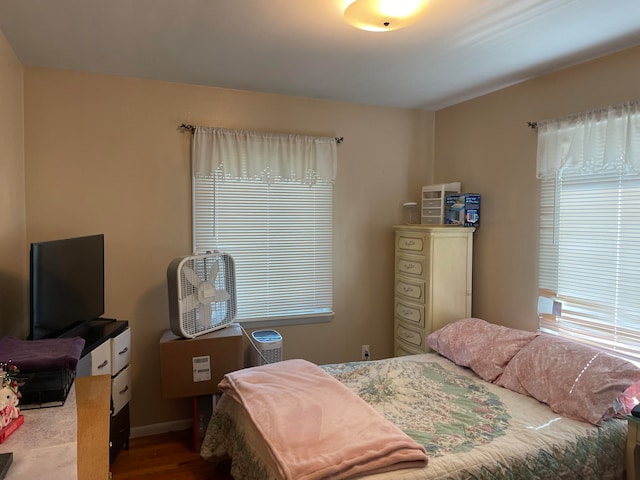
(384, 15)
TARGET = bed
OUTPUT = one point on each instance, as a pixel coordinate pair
(471, 426)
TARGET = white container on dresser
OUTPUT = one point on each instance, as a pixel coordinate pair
(108, 352)
(433, 266)
(434, 202)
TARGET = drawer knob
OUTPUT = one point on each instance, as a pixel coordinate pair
(410, 243)
(123, 351)
(124, 390)
(409, 266)
(103, 364)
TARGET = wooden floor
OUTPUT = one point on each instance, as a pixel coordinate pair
(168, 456)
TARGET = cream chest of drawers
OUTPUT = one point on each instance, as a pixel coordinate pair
(432, 282)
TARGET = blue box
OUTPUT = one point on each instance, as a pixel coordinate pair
(463, 209)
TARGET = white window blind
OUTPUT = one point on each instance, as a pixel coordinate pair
(589, 269)
(280, 237)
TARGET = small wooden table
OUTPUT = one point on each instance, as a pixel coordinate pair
(93, 401)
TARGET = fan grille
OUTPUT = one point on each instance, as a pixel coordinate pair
(206, 293)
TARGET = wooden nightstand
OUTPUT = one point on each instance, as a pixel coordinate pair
(633, 440)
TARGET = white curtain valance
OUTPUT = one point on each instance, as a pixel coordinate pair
(593, 141)
(240, 154)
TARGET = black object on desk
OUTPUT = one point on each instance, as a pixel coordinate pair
(6, 459)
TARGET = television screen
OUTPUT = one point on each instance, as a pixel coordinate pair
(67, 284)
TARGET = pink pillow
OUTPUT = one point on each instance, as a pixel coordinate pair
(484, 347)
(575, 380)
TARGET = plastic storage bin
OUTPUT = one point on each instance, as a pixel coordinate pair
(433, 205)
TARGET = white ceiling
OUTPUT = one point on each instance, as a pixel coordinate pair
(462, 49)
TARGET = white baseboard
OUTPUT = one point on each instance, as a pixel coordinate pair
(158, 428)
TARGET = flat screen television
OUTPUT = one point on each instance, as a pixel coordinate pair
(66, 284)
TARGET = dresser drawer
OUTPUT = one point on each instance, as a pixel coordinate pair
(410, 244)
(435, 203)
(410, 313)
(98, 361)
(120, 351)
(410, 265)
(120, 432)
(411, 337)
(402, 349)
(411, 289)
(121, 390)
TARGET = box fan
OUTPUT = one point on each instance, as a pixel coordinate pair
(202, 293)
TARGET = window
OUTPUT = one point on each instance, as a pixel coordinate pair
(278, 230)
(589, 268)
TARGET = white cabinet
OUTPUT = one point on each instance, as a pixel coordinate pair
(108, 358)
(432, 282)
(109, 353)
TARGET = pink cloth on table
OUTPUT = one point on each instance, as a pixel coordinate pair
(314, 427)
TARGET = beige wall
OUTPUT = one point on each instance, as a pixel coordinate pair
(105, 155)
(14, 279)
(486, 144)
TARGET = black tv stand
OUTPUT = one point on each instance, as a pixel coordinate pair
(97, 331)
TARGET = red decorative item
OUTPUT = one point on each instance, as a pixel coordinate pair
(10, 417)
(12, 427)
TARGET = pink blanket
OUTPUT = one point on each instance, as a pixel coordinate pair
(314, 427)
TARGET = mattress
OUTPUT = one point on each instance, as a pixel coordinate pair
(469, 427)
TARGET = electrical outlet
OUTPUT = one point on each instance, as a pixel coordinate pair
(366, 352)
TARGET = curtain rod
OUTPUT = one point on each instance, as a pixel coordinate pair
(192, 128)
(532, 124)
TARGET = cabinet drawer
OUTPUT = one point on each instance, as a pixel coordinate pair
(100, 360)
(410, 289)
(120, 432)
(413, 314)
(409, 336)
(120, 351)
(432, 212)
(432, 203)
(410, 265)
(121, 389)
(409, 243)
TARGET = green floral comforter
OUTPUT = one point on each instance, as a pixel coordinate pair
(471, 429)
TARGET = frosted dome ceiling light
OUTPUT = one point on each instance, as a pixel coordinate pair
(384, 15)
